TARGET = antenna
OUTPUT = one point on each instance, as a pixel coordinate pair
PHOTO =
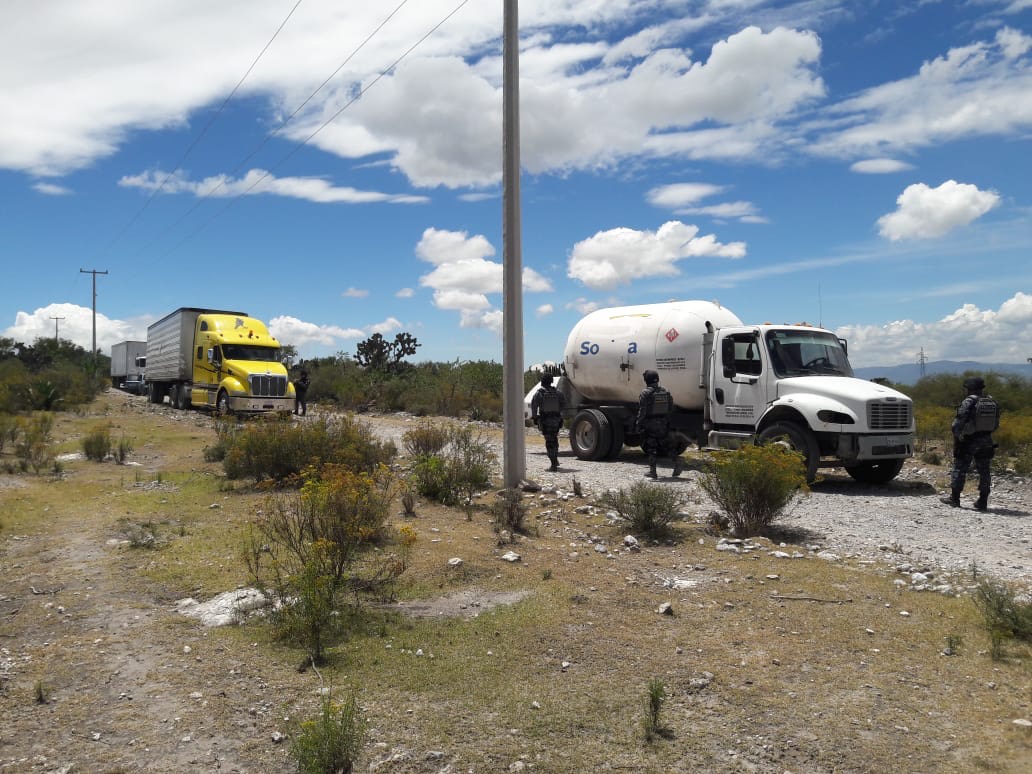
(820, 306)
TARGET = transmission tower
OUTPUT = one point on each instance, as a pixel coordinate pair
(921, 360)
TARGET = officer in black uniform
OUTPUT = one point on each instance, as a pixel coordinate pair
(653, 422)
(546, 409)
(977, 417)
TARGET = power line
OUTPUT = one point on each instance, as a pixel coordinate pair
(361, 92)
(200, 136)
(208, 194)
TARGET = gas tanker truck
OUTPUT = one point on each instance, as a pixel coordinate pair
(731, 384)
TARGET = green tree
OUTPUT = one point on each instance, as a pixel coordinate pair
(378, 354)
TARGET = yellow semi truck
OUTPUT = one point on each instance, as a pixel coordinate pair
(218, 360)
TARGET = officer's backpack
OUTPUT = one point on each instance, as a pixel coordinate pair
(550, 403)
(661, 403)
(984, 416)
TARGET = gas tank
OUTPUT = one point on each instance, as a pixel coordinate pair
(608, 350)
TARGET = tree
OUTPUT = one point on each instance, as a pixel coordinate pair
(378, 354)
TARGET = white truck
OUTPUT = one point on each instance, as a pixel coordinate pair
(731, 384)
(128, 361)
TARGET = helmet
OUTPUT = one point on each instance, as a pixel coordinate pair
(546, 380)
(974, 383)
(650, 377)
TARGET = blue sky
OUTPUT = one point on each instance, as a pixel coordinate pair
(336, 171)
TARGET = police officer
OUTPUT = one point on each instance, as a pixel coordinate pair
(546, 409)
(653, 422)
(977, 417)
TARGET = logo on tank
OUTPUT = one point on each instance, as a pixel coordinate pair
(672, 334)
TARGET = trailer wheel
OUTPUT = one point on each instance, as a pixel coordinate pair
(154, 394)
(222, 404)
(590, 435)
(617, 438)
(173, 396)
(798, 439)
(875, 472)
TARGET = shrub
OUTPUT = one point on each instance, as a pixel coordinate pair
(754, 484)
(33, 447)
(655, 697)
(426, 439)
(329, 743)
(96, 444)
(1006, 615)
(272, 448)
(455, 476)
(509, 512)
(8, 430)
(649, 509)
(1023, 461)
(122, 450)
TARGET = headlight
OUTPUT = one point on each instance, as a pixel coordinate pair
(835, 418)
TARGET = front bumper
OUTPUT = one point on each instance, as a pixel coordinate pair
(868, 448)
(248, 404)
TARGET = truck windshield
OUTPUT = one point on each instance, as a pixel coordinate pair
(803, 352)
(244, 352)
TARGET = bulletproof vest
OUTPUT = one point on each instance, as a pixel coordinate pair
(550, 403)
(661, 403)
(984, 416)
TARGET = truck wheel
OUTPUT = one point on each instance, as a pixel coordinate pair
(616, 442)
(173, 396)
(154, 393)
(798, 439)
(222, 404)
(590, 435)
(875, 472)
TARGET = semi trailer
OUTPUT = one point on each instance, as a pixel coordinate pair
(219, 360)
(128, 360)
(731, 384)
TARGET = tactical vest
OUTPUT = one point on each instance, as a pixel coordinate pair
(661, 404)
(550, 403)
(984, 416)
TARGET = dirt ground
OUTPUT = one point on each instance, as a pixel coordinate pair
(100, 673)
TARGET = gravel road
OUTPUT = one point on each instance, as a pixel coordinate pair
(902, 523)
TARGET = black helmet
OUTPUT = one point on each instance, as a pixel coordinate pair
(650, 377)
(974, 383)
(546, 380)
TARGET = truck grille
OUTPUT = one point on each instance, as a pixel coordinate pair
(268, 386)
(894, 415)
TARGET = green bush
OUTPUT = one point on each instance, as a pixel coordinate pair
(648, 508)
(34, 445)
(96, 444)
(754, 484)
(655, 698)
(122, 450)
(276, 449)
(426, 439)
(509, 512)
(1023, 461)
(330, 743)
(9, 430)
(1006, 615)
(459, 472)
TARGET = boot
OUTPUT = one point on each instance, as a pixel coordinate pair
(652, 468)
(555, 463)
(678, 467)
(954, 498)
(982, 503)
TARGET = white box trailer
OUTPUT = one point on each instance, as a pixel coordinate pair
(127, 365)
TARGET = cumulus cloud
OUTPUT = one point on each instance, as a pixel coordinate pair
(583, 305)
(75, 324)
(260, 182)
(463, 276)
(544, 310)
(355, 293)
(51, 189)
(291, 330)
(879, 166)
(968, 333)
(928, 213)
(621, 255)
(405, 293)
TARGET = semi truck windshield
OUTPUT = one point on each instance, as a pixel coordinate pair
(802, 352)
(245, 352)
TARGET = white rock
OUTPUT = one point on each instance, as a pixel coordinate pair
(511, 556)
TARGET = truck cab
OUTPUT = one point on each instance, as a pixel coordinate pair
(794, 385)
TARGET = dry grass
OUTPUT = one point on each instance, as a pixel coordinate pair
(816, 670)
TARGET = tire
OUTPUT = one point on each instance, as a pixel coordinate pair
(798, 439)
(154, 394)
(616, 431)
(875, 472)
(222, 406)
(590, 435)
(173, 396)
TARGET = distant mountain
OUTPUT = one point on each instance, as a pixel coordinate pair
(909, 373)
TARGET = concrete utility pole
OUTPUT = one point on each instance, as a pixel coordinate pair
(514, 446)
(55, 319)
(93, 352)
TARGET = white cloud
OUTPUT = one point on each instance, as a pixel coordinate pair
(620, 255)
(975, 90)
(583, 305)
(462, 276)
(968, 333)
(50, 189)
(259, 182)
(290, 330)
(879, 166)
(928, 213)
(544, 310)
(75, 324)
(405, 293)
(681, 194)
(389, 325)
(355, 293)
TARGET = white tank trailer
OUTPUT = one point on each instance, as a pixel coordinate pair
(731, 384)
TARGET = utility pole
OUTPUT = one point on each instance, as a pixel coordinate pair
(514, 446)
(55, 319)
(93, 353)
